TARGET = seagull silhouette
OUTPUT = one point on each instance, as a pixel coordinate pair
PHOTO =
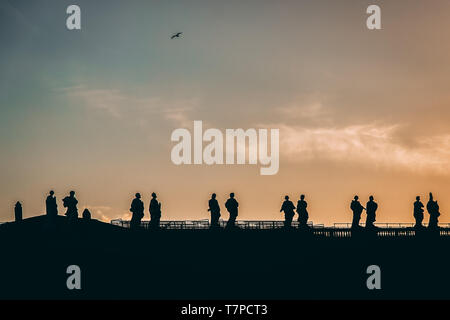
(176, 35)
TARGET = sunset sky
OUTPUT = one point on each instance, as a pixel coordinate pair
(359, 111)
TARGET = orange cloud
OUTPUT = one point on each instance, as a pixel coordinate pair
(366, 143)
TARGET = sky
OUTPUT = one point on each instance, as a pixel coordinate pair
(359, 111)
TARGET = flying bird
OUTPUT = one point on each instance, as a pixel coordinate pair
(176, 35)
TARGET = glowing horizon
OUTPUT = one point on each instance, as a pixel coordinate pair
(359, 112)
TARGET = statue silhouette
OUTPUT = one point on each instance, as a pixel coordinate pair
(288, 209)
(418, 213)
(302, 212)
(51, 206)
(433, 210)
(155, 212)
(214, 208)
(18, 212)
(357, 209)
(86, 215)
(372, 207)
(232, 207)
(70, 202)
(137, 209)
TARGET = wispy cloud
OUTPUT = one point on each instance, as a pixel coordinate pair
(118, 104)
(313, 110)
(114, 102)
(179, 117)
(366, 144)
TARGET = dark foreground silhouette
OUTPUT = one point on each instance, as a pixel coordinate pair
(121, 263)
